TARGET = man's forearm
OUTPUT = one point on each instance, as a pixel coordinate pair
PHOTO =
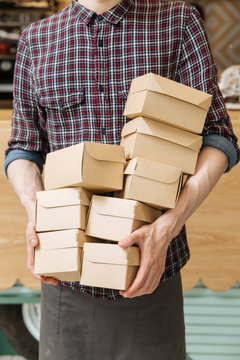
(210, 166)
(26, 179)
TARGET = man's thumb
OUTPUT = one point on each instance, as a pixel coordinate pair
(127, 241)
(33, 242)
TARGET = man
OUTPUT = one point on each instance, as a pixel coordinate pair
(73, 73)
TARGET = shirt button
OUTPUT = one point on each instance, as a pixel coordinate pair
(60, 103)
(101, 88)
(100, 43)
(100, 17)
(102, 130)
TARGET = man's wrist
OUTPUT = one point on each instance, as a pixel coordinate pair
(30, 206)
(168, 224)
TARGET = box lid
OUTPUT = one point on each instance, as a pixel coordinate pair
(124, 208)
(62, 239)
(111, 254)
(171, 88)
(105, 152)
(64, 197)
(157, 129)
(153, 170)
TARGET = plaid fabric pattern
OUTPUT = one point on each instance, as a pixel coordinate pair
(73, 74)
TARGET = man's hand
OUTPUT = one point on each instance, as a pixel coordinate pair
(32, 242)
(153, 241)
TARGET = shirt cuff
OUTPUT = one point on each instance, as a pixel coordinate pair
(221, 143)
(23, 154)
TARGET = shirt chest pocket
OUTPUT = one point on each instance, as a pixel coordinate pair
(63, 108)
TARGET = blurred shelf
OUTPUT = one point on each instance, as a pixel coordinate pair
(6, 109)
(7, 57)
(6, 88)
(24, 8)
(11, 24)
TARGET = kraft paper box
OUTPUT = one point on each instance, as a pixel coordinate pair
(152, 183)
(109, 266)
(156, 141)
(62, 209)
(167, 101)
(93, 166)
(113, 219)
(59, 254)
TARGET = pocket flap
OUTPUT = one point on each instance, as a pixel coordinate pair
(111, 254)
(62, 101)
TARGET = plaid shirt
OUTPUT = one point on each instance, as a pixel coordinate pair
(74, 70)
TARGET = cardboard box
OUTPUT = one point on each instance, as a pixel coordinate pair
(153, 140)
(113, 219)
(93, 166)
(167, 101)
(62, 209)
(152, 183)
(59, 254)
(109, 266)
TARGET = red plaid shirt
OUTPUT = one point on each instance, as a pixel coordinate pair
(73, 73)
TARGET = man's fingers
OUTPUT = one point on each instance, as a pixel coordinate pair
(32, 242)
(142, 286)
(32, 238)
(129, 240)
(147, 278)
(137, 283)
(126, 242)
(30, 257)
(49, 280)
(38, 277)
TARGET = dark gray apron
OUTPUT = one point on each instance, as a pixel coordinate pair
(75, 326)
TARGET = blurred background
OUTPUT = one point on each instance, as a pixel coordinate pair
(221, 17)
(210, 279)
(14, 17)
(222, 22)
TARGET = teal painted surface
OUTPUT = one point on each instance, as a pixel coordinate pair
(212, 321)
(19, 294)
(5, 347)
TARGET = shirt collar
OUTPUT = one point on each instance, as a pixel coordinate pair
(113, 15)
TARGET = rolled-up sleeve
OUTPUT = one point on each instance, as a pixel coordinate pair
(198, 70)
(23, 154)
(223, 144)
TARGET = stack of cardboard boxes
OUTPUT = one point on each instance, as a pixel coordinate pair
(78, 231)
(65, 250)
(160, 142)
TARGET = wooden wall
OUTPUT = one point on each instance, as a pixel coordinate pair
(214, 233)
(12, 226)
